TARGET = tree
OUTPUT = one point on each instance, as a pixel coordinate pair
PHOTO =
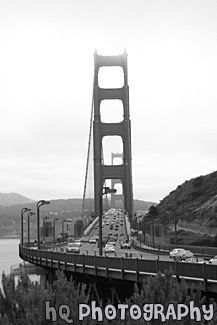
(24, 303)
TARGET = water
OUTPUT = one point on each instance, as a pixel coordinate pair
(9, 254)
(9, 257)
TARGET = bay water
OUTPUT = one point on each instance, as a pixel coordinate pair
(9, 257)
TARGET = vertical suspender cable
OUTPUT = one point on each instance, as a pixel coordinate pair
(88, 155)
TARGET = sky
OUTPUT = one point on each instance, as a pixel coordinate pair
(46, 82)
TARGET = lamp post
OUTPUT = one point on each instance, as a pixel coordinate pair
(138, 228)
(29, 215)
(21, 235)
(102, 191)
(54, 222)
(39, 204)
(44, 218)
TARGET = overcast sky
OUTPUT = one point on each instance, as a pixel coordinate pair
(46, 78)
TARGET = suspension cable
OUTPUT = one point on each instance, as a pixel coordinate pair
(88, 154)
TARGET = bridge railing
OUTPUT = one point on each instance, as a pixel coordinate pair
(181, 269)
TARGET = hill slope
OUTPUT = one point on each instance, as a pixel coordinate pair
(7, 199)
(193, 201)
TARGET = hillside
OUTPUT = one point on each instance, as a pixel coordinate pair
(68, 208)
(7, 199)
(193, 201)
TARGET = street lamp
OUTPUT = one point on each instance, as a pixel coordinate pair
(44, 218)
(102, 191)
(54, 222)
(29, 215)
(138, 228)
(39, 204)
(22, 212)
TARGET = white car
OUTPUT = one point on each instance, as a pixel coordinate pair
(178, 254)
(72, 248)
(109, 248)
(111, 242)
(213, 260)
(78, 242)
(92, 240)
(194, 259)
(125, 244)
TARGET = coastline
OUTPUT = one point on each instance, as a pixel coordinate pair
(10, 237)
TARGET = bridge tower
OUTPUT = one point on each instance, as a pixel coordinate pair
(123, 171)
(116, 197)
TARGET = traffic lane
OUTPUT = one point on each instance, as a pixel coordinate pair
(117, 220)
(92, 249)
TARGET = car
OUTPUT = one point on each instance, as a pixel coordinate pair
(59, 239)
(125, 244)
(111, 242)
(78, 242)
(194, 259)
(72, 248)
(178, 254)
(92, 240)
(213, 260)
(109, 248)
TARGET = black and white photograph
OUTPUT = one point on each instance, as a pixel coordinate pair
(108, 163)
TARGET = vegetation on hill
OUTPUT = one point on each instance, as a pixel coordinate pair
(193, 201)
(68, 208)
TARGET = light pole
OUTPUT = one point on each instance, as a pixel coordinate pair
(138, 228)
(54, 222)
(153, 228)
(21, 235)
(44, 218)
(39, 204)
(102, 191)
(29, 215)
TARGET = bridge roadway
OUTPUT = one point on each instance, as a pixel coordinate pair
(117, 220)
(119, 266)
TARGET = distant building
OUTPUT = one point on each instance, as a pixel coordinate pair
(78, 228)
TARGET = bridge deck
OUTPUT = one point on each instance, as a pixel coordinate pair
(130, 269)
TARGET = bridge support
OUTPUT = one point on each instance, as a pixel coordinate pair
(47, 277)
(123, 171)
